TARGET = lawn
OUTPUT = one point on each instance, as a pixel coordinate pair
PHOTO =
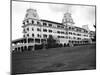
(55, 59)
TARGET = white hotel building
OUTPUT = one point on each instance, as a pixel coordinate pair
(36, 31)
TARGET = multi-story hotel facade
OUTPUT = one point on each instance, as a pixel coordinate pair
(36, 31)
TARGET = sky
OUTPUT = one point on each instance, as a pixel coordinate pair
(82, 15)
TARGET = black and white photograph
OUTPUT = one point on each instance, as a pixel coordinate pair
(52, 37)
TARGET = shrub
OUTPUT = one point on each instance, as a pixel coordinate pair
(37, 47)
(60, 45)
(51, 42)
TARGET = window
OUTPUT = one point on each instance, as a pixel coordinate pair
(69, 28)
(28, 35)
(78, 34)
(32, 22)
(50, 25)
(69, 37)
(27, 21)
(37, 40)
(78, 38)
(50, 36)
(50, 30)
(45, 36)
(86, 35)
(27, 29)
(58, 26)
(23, 35)
(44, 24)
(66, 32)
(24, 30)
(72, 28)
(45, 30)
(86, 32)
(62, 32)
(74, 33)
(38, 22)
(24, 23)
(58, 36)
(38, 35)
(70, 33)
(74, 37)
(32, 35)
(62, 36)
(32, 29)
(38, 29)
(62, 26)
(58, 32)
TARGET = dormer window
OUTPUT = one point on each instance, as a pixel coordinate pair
(24, 23)
(32, 22)
(50, 25)
(27, 21)
(44, 24)
(38, 22)
(27, 29)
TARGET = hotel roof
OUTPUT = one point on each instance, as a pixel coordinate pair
(51, 22)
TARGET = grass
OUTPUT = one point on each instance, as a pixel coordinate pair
(54, 60)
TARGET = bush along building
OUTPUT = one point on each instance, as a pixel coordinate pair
(39, 33)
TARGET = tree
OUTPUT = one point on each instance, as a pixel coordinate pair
(51, 42)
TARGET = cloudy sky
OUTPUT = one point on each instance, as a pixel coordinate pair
(82, 15)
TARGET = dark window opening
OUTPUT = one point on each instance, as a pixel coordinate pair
(28, 35)
(28, 29)
(32, 29)
(62, 32)
(32, 22)
(69, 28)
(62, 26)
(58, 26)
(37, 40)
(23, 35)
(30, 40)
(38, 35)
(38, 29)
(45, 36)
(66, 37)
(27, 21)
(38, 22)
(45, 30)
(58, 32)
(44, 24)
(32, 35)
(24, 23)
(58, 36)
(50, 25)
(66, 32)
(50, 30)
(70, 33)
(74, 33)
